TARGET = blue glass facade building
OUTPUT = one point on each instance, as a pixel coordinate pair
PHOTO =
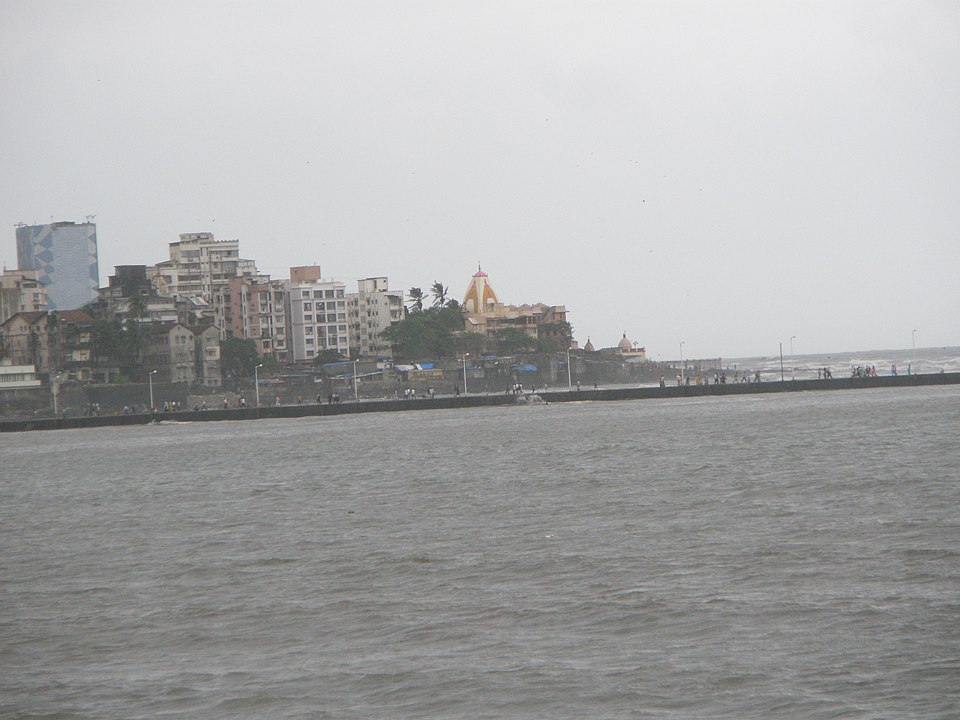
(64, 254)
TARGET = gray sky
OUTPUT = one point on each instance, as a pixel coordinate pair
(726, 174)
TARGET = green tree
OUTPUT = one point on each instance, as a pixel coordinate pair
(555, 336)
(439, 293)
(420, 335)
(450, 316)
(238, 357)
(133, 343)
(513, 340)
(416, 299)
(137, 306)
(328, 355)
(437, 331)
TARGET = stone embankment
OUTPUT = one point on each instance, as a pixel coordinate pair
(450, 402)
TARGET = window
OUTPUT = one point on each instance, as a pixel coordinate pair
(305, 293)
(309, 341)
(318, 293)
(308, 306)
(329, 293)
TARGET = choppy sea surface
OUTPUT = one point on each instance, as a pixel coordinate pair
(786, 556)
(841, 364)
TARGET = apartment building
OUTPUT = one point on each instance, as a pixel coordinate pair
(21, 291)
(255, 308)
(51, 342)
(371, 310)
(200, 266)
(316, 315)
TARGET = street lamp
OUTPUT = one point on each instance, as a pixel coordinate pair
(150, 380)
(55, 386)
(569, 379)
(682, 366)
(913, 355)
(356, 392)
(793, 362)
(465, 356)
(256, 382)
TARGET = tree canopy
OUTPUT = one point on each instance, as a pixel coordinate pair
(513, 340)
(430, 333)
(238, 357)
(439, 293)
(416, 299)
(328, 355)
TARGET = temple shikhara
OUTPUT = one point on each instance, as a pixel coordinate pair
(485, 315)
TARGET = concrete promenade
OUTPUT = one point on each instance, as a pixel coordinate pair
(449, 402)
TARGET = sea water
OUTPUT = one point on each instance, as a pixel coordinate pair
(794, 555)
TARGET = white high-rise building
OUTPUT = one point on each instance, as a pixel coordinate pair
(371, 310)
(316, 315)
(200, 267)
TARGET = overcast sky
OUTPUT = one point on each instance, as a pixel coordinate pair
(729, 175)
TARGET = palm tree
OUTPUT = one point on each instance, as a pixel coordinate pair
(137, 306)
(439, 295)
(416, 299)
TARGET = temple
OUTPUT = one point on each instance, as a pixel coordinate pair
(484, 314)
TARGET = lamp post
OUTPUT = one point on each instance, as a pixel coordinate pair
(793, 362)
(356, 392)
(150, 380)
(465, 356)
(913, 342)
(682, 366)
(256, 383)
(55, 386)
(569, 377)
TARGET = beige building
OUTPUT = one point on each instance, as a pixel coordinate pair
(207, 355)
(172, 353)
(370, 311)
(51, 342)
(629, 352)
(21, 291)
(17, 377)
(484, 314)
(199, 266)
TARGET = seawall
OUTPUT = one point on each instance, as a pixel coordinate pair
(450, 402)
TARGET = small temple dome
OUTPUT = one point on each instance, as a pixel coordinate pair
(625, 344)
(589, 346)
